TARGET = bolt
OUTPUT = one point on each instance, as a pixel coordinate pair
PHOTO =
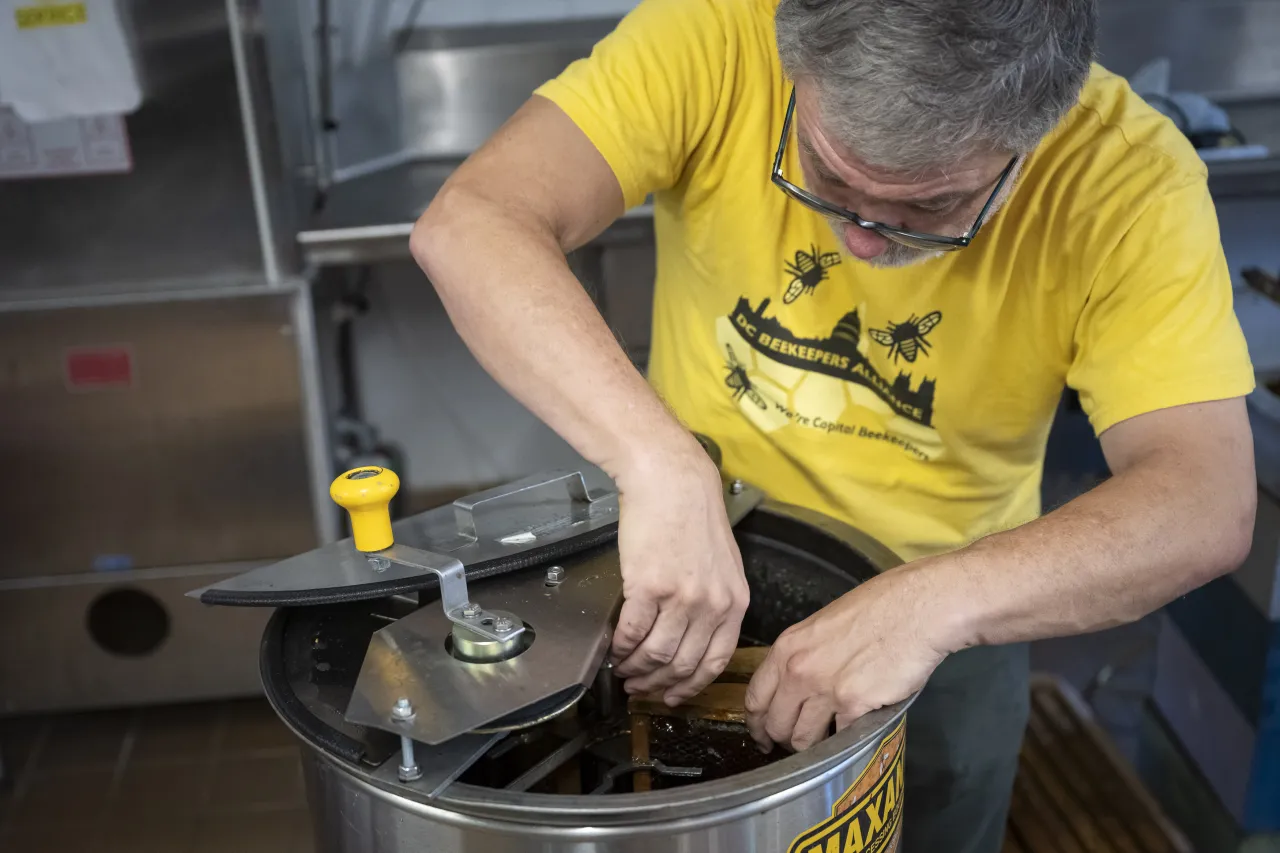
(402, 711)
(735, 488)
(503, 625)
(409, 769)
(555, 574)
(379, 564)
(470, 610)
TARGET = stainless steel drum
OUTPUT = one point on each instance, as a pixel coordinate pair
(564, 779)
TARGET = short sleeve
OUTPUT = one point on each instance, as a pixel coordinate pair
(648, 92)
(1159, 328)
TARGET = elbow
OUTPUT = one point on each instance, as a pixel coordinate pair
(1234, 534)
(1242, 530)
(433, 233)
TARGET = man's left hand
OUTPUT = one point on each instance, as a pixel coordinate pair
(874, 646)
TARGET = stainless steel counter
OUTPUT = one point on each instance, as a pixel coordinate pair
(402, 123)
(1258, 120)
(368, 219)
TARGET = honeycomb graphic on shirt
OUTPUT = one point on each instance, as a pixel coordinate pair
(770, 393)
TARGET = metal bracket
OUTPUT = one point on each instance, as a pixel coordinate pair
(465, 509)
(653, 766)
(409, 658)
(458, 607)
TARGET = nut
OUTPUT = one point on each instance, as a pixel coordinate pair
(470, 610)
(503, 625)
(555, 574)
(402, 710)
(735, 488)
(379, 564)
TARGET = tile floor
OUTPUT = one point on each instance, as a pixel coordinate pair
(220, 777)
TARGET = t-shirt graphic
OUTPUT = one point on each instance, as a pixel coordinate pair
(779, 378)
(807, 271)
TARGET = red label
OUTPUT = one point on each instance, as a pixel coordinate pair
(109, 367)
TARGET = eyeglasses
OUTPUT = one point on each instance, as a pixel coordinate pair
(914, 239)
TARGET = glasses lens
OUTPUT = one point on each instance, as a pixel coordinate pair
(914, 241)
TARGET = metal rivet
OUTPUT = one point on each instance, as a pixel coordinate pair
(555, 574)
(503, 625)
(735, 488)
(470, 610)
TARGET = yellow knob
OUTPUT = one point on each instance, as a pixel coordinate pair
(366, 493)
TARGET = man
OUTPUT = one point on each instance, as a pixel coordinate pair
(888, 234)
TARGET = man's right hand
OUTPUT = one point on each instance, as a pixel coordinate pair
(683, 584)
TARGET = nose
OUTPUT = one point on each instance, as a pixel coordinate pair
(863, 244)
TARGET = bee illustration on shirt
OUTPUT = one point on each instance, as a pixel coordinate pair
(736, 379)
(907, 339)
(808, 269)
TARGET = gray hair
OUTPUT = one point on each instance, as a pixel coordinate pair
(915, 84)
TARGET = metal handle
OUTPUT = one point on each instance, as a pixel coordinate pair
(453, 591)
(464, 509)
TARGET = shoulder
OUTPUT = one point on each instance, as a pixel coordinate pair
(1115, 169)
(1114, 145)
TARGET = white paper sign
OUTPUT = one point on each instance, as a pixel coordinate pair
(77, 146)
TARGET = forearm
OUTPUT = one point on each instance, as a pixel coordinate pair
(1113, 555)
(507, 288)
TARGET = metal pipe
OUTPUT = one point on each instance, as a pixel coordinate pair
(609, 692)
(319, 458)
(252, 143)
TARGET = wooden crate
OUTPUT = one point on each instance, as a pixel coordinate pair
(1074, 793)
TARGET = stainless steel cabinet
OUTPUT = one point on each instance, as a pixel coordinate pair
(155, 434)
(149, 449)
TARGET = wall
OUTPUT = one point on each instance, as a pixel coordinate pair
(1251, 233)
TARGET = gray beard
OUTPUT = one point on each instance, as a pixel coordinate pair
(895, 255)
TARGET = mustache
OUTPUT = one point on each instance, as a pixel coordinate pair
(894, 256)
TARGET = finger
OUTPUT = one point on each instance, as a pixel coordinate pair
(760, 692)
(658, 648)
(844, 719)
(693, 646)
(719, 651)
(784, 710)
(813, 723)
(634, 623)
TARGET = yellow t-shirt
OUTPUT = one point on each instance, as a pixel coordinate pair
(914, 403)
